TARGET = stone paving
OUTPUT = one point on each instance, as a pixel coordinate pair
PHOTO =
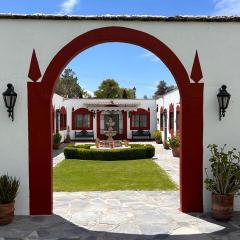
(130, 215)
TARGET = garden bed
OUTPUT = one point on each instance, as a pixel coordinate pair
(84, 152)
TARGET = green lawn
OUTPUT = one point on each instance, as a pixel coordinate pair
(93, 175)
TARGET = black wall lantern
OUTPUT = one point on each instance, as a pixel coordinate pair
(10, 97)
(223, 101)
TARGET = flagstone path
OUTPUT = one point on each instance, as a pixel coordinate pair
(125, 215)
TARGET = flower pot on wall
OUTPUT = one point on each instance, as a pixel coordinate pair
(6, 213)
(222, 206)
(176, 151)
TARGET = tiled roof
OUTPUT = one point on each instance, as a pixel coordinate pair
(123, 17)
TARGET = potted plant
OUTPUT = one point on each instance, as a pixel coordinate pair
(157, 136)
(224, 182)
(166, 144)
(57, 137)
(174, 143)
(68, 138)
(8, 192)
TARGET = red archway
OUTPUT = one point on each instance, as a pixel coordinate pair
(39, 105)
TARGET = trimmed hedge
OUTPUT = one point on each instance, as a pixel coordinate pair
(83, 152)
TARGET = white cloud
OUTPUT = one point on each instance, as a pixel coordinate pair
(227, 7)
(68, 5)
(151, 56)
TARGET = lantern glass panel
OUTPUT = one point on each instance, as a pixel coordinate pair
(8, 100)
(225, 102)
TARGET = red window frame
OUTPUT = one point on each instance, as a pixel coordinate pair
(140, 111)
(178, 117)
(82, 111)
(161, 118)
(171, 118)
(63, 119)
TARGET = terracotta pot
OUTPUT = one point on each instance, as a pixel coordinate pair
(176, 152)
(56, 145)
(6, 213)
(158, 141)
(222, 206)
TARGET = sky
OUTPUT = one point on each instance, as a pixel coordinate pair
(130, 65)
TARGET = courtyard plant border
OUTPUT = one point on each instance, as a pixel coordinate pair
(84, 152)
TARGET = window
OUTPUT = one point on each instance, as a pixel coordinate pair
(82, 121)
(140, 120)
(178, 120)
(171, 121)
(63, 121)
(63, 118)
(161, 121)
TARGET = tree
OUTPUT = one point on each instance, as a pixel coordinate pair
(124, 94)
(127, 93)
(110, 88)
(67, 85)
(145, 97)
(163, 88)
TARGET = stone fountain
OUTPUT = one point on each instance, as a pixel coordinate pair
(110, 132)
(110, 142)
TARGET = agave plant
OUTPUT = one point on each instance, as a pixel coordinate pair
(8, 189)
(225, 168)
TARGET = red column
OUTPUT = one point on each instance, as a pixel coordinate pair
(40, 150)
(191, 164)
(124, 113)
(98, 123)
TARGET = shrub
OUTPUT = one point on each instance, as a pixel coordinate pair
(174, 141)
(166, 144)
(225, 168)
(57, 137)
(157, 135)
(8, 189)
(83, 152)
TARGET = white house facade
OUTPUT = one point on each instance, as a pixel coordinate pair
(168, 115)
(91, 115)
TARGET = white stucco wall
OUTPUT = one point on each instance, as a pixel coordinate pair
(172, 97)
(217, 45)
(58, 103)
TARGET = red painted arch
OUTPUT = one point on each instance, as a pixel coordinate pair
(39, 104)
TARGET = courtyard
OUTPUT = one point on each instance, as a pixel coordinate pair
(125, 83)
(122, 215)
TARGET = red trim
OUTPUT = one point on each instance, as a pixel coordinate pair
(57, 120)
(53, 122)
(161, 118)
(82, 111)
(98, 119)
(171, 115)
(138, 112)
(40, 100)
(34, 71)
(124, 113)
(178, 124)
(63, 119)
